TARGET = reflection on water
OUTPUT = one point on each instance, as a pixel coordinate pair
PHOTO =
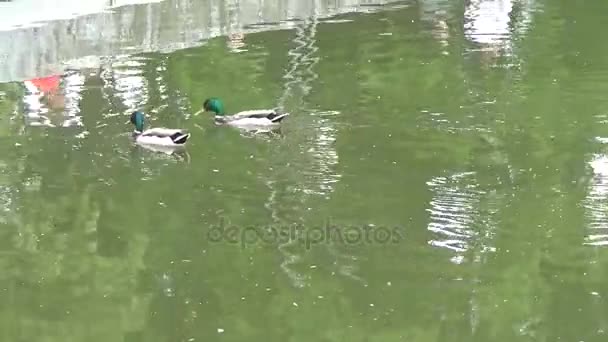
(493, 25)
(322, 149)
(452, 212)
(487, 21)
(85, 227)
(302, 59)
(304, 40)
(436, 13)
(461, 215)
(126, 80)
(315, 145)
(54, 101)
(596, 202)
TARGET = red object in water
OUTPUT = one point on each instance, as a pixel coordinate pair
(46, 84)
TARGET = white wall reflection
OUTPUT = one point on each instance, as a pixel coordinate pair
(596, 202)
(54, 100)
(487, 21)
(125, 79)
(452, 211)
(457, 219)
(316, 157)
(74, 84)
(493, 24)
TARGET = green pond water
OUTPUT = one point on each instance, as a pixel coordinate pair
(442, 176)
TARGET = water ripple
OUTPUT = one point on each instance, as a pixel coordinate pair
(125, 78)
(457, 216)
(596, 202)
(493, 26)
(452, 209)
(54, 101)
(298, 75)
(316, 154)
(323, 175)
(487, 22)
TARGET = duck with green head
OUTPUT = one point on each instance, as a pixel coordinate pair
(158, 136)
(248, 118)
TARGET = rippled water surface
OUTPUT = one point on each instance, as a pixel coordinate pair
(443, 175)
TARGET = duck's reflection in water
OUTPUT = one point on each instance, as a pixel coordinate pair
(178, 153)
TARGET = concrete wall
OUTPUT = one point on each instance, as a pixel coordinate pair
(83, 32)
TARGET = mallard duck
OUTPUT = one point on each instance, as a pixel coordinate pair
(255, 118)
(158, 136)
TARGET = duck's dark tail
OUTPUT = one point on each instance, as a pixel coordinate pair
(180, 138)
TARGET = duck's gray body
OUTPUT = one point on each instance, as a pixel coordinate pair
(257, 117)
(162, 137)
